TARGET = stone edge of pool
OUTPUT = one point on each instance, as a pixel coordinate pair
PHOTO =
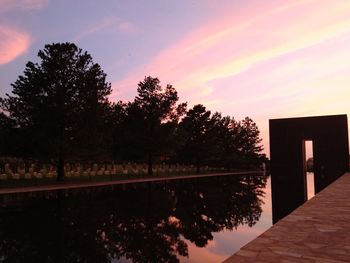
(317, 231)
(67, 186)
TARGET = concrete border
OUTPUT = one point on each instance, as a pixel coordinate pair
(318, 231)
(77, 185)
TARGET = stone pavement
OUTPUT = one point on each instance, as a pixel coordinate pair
(318, 231)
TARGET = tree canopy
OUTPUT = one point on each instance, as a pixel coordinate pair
(151, 121)
(60, 102)
(195, 126)
(59, 111)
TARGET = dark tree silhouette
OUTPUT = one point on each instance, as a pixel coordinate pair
(249, 143)
(224, 146)
(195, 125)
(117, 120)
(151, 120)
(219, 141)
(7, 130)
(59, 111)
(60, 103)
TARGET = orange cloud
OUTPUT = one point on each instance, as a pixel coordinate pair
(12, 44)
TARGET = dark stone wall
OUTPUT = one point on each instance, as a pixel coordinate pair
(287, 151)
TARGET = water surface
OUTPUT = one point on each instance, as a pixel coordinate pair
(187, 220)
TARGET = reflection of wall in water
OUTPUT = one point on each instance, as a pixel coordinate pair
(287, 148)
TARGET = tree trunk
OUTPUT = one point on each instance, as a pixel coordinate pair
(198, 167)
(61, 136)
(60, 169)
(150, 169)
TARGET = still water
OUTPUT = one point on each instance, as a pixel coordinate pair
(188, 220)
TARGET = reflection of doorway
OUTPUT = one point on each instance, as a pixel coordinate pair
(308, 168)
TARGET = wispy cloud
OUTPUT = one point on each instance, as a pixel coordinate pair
(110, 23)
(12, 44)
(235, 44)
(269, 60)
(7, 5)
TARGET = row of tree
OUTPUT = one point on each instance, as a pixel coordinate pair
(59, 110)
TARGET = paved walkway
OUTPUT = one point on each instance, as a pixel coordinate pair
(318, 231)
(74, 185)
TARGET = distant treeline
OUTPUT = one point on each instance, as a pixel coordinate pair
(59, 111)
(310, 164)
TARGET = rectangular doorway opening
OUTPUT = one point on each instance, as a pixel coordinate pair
(309, 161)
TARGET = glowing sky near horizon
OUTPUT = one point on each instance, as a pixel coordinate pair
(262, 59)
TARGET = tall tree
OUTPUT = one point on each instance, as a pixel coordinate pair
(59, 102)
(6, 134)
(249, 143)
(195, 126)
(223, 137)
(116, 121)
(151, 120)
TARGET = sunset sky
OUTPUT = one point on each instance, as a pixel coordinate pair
(262, 59)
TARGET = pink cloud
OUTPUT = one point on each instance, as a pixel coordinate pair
(234, 44)
(111, 23)
(125, 26)
(12, 44)
(6, 5)
(269, 60)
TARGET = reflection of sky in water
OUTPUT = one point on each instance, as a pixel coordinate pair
(310, 185)
(137, 222)
(227, 242)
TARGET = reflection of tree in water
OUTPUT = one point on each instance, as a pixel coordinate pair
(232, 202)
(149, 223)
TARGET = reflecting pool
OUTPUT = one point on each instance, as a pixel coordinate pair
(188, 220)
